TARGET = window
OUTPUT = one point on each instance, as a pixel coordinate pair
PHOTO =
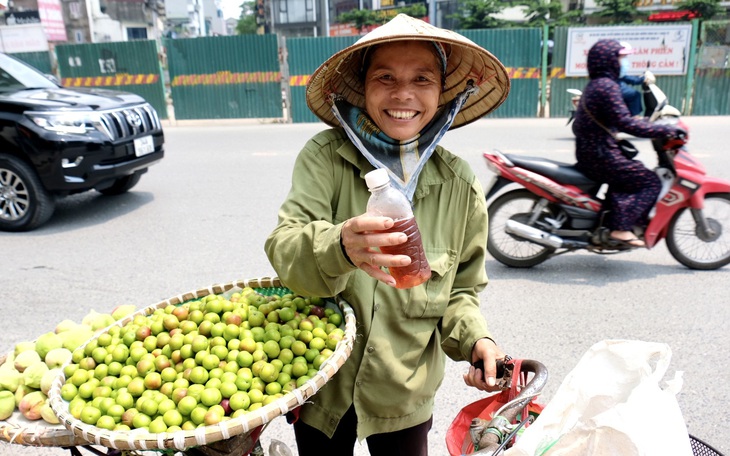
(74, 10)
(295, 11)
(136, 33)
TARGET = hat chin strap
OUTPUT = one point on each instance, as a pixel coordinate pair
(404, 160)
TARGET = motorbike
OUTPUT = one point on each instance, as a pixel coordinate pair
(557, 209)
(574, 100)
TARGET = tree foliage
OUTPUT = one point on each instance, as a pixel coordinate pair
(479, 14)
(247, 21)
(617, 11)
(706, 9)
(368, 18)
(539, 13)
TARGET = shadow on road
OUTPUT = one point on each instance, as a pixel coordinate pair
(88, 209)
(589, 270)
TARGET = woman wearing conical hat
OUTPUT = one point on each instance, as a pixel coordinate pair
(389, 99)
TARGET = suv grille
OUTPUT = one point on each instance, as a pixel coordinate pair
(130, 122)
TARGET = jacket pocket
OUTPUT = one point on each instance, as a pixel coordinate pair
(430, 300)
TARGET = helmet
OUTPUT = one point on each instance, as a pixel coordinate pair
(626, 48)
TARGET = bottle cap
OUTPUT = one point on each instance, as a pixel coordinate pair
(377, 178)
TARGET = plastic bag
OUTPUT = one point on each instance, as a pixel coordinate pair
(611, 404)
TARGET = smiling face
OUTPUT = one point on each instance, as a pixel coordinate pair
(402, 87)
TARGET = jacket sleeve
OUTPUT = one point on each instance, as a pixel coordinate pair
(632, 80)
(463, 323)
(606, 103)
(304, 248)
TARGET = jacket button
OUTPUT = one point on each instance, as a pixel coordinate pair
(377, 306)
(358, 383)
(371, 349)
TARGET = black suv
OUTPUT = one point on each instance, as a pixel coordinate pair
(57, 141)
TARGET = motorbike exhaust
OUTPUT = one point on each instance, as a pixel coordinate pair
(533, 234)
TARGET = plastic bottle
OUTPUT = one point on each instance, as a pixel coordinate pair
(387, 201)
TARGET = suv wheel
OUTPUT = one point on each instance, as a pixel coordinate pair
(24, 203)
(121, 185)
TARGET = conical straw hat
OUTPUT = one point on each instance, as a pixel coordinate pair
(340, 74)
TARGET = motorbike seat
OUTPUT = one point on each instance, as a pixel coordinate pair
(565, 173)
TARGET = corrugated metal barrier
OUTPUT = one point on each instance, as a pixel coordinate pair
(40, 60)
(225, 77)
(519, 51)
(304, 56)
(131, 66)
(712, 79)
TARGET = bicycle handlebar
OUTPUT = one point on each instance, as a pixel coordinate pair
(489, 436)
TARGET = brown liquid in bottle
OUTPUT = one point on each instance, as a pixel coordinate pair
(418, 271)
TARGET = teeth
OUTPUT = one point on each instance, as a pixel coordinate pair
(402, 114)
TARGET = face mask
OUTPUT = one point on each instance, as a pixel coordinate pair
(624, 67)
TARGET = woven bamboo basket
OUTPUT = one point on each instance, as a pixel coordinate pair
(16, 429)
(245, 424)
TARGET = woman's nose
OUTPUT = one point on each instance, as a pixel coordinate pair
(402, 91)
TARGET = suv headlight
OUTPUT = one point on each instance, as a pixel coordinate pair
(67, 123)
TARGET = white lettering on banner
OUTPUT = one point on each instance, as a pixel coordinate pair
(23, 38)
(664, 48)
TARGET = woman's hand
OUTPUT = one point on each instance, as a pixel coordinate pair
(486, 350)
(362, 235)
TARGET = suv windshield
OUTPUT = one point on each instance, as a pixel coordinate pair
(16, 75)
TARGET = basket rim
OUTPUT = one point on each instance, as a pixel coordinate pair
(143, 440)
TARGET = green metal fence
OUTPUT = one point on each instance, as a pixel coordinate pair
(304, 56)
(712, 79)
(131, 66)
(40, 60)
(520, 52)
(225, 77)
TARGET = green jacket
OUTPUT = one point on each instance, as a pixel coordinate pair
(397, 362)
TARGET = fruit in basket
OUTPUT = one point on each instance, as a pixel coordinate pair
(10, 379)
(7, 404)
(23, 346)
(25, 359)
(65, 325)
(48, 415)
(47, 379)
(47, 342)
(33, 374)
(75, 338)
(96, 320)
(123, 311)
(200, 362)
(57, 357)
(32, 404)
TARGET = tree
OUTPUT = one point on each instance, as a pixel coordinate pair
(703, 8)
(479, 14)
(539, 13)
(362, 19)
(247, 22)
(617, 11)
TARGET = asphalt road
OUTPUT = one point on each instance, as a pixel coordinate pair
(201, 216)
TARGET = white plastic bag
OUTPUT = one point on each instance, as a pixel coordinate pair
(611, 404)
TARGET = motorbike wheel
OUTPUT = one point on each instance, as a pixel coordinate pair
(506, 248)
(695, 249)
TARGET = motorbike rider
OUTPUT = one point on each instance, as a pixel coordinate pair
(632, 97)
(602, 112)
